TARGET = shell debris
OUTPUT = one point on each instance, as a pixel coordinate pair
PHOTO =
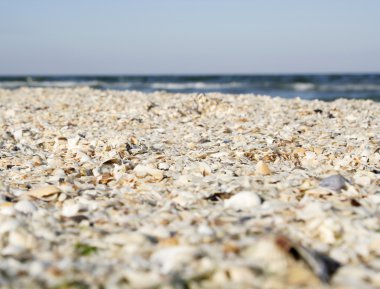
(114, 189)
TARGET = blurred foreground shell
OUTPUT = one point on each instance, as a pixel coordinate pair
(322, 265)
(278, 255)
(46, 193)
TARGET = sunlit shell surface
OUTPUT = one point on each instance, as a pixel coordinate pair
(111, 189)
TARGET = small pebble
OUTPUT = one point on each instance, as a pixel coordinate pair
(335, 183)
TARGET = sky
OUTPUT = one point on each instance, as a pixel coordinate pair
(46, 37)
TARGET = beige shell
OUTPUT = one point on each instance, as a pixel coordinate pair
(262, 169)
(46, 193)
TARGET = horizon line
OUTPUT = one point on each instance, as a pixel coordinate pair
(181, 74)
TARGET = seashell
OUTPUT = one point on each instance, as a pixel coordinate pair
(205, 230)
(262, 169)
(310, 210)
(204, 169)
(362, 180)
(107, 167)
(18, 243)
(72, 143)
(25, 206)
(329, 230)
(36, 160)
(62, 197)
(47, 193)
(243, 200)
(280, 255)
(127, 238)
(143, 171)
(335, 183)
(173, 258)
(299, 151)
(265, 254)
(184, 198)
(70, 208)
(18, 134)
(163, 166)
(143, 280)
(7, 209)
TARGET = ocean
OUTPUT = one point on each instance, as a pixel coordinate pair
(306, 86)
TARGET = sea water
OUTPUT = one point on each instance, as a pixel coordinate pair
(306, 86)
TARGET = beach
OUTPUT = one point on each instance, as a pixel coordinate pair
(123, 189)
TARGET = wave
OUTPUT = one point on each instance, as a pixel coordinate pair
(195, 85)
(349, 87)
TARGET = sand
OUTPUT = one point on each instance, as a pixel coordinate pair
(110, 189)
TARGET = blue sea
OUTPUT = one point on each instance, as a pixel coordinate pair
(307, 86)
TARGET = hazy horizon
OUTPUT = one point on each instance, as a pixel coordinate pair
(42, 38)
(185, 74)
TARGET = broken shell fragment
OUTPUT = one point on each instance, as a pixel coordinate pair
(262, 169)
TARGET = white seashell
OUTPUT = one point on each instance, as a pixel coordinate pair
(311, 210)
(204, 169)
(9, 225)
(269, 140)
(242, 275)
(25, 206)
(328, 231)
(54, 163)
(72, 143)
(125, 239)
(184, 198)
(18, 134)
(243, 200)
(163, 166)
(7, 209)
(266, 254)
(70, 209)
(143, 280)
(143, 171)
(18, 239)
(18, 193)
(205, 230)
(219, 155)
(173, 258)
(62, 197)
(12, 250)
(362, 180)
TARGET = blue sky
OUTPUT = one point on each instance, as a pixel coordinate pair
(188, 36)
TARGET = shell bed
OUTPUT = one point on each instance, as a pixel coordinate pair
(111, 189)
